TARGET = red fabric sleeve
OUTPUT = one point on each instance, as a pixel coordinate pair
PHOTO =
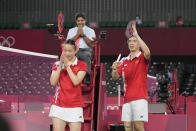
(83, 66)
(119, 70)
(146, 61)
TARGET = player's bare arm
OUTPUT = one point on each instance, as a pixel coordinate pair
(143, 45)
(56, 74)
(76, 79)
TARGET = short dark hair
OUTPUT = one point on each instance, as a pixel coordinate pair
(71, 42)
(80, 15)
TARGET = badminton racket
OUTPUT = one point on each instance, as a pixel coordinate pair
(60, 26)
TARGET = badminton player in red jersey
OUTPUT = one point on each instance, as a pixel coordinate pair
(133, 69)
(67, 75)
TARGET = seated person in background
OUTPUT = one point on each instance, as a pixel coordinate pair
(179, 21)
(161, 24)
(84, 37)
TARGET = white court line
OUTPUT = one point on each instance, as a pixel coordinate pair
(27, 52)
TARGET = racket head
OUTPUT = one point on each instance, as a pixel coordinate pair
(129, 30)
(60, 22)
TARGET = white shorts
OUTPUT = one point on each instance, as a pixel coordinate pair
(135, 111)
(67, 114)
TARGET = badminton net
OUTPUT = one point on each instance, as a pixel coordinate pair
(24, 72)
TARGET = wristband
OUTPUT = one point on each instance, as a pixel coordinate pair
(67, 66)
(63, 66)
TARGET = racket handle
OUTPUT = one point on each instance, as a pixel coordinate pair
(119, 95)
(119, 57)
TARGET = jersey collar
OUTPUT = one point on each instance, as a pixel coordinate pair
(138, 54)
(75, 62)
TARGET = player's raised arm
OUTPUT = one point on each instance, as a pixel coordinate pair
(142, 44)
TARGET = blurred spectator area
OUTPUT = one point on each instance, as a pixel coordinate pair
(113, 13)
(102, 24)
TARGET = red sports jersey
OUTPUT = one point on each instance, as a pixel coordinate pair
(134, 73)
(68, 95)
